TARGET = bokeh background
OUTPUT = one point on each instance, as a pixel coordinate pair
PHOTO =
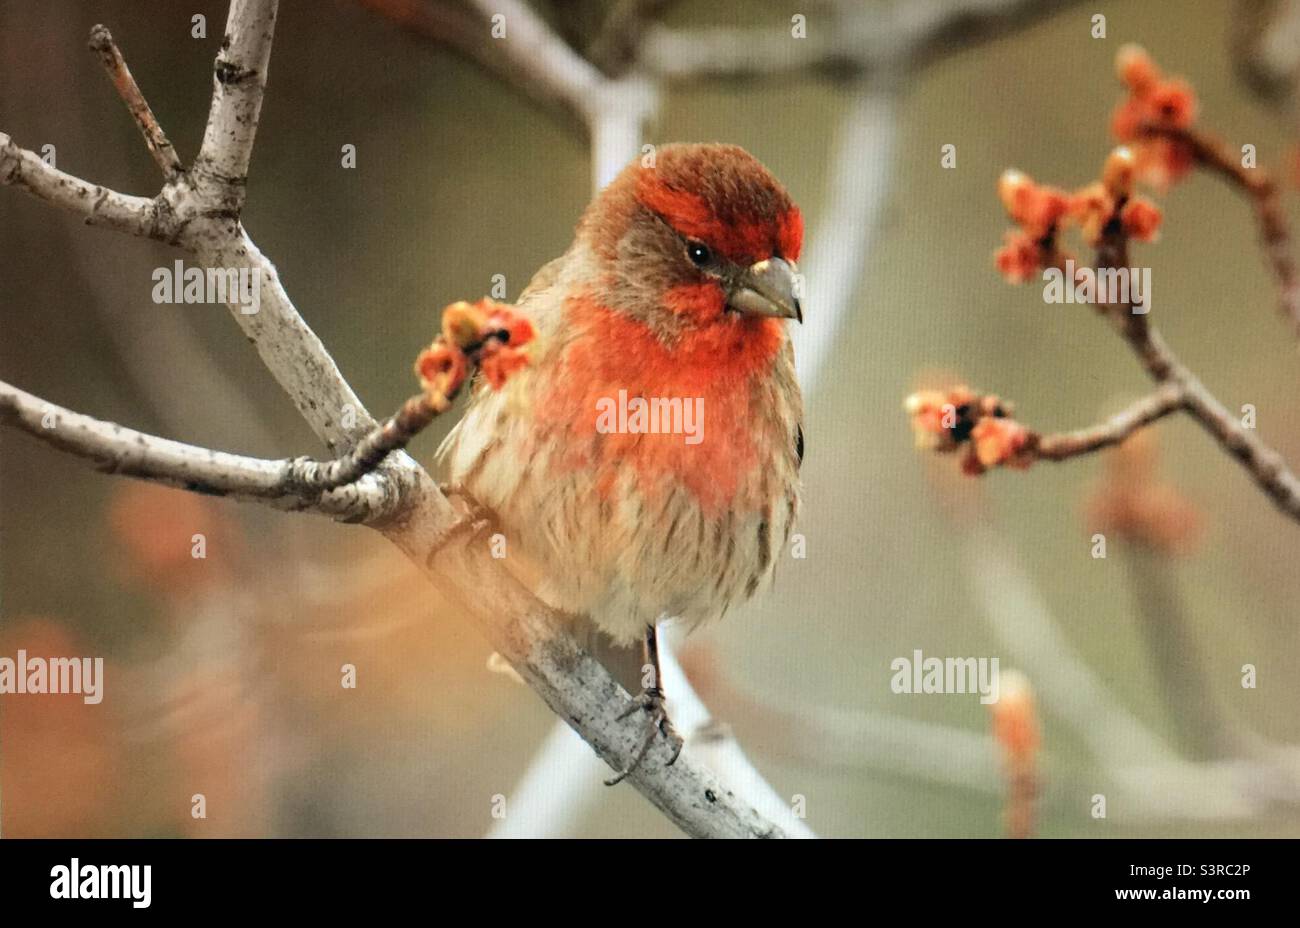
(224, 673)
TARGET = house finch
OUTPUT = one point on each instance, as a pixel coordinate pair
(645, 464)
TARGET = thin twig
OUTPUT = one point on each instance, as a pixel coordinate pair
(1265, 197)
(393, 434)
(101, 42)
(1265, 466)
(1168, 398)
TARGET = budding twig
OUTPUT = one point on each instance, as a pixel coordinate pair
(985, 428)
(1064, 445)
(1264, 194)
(485, 336)
(1157, 120)
(1016, 731)
(101, 42)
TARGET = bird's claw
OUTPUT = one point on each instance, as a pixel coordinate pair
(651, 701)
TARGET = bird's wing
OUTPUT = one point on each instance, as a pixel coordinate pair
(545, 278)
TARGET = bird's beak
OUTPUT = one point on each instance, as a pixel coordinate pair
(767, 289)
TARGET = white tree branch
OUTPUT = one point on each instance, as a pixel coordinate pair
(116, 449)
(96, 205)
(220, 171)
(288, 347)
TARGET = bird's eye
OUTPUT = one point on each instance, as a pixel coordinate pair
(699, 253)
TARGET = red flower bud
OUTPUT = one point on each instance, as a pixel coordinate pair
(1141, 219)
(1135, 68)
(1019, 258)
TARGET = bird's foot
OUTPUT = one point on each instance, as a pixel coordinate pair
(651, 701)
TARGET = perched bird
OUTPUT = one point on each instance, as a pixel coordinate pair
(645, 464)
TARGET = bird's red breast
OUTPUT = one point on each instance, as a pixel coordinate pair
(716, 363)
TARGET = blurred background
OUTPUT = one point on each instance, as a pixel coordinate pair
(223, 673)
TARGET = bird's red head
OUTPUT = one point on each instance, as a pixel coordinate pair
(697, 234)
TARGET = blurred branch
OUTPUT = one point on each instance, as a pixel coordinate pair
(454, 24)
(1141, 786)
(1026, 629)
(852, 37)
(531, 57)
(539, 58)
(199, 210)
(861, 174)
(555, 794)
(1151, 779)
(1264, 41)
(617, 45)
(842, 739)
(1189, 696)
